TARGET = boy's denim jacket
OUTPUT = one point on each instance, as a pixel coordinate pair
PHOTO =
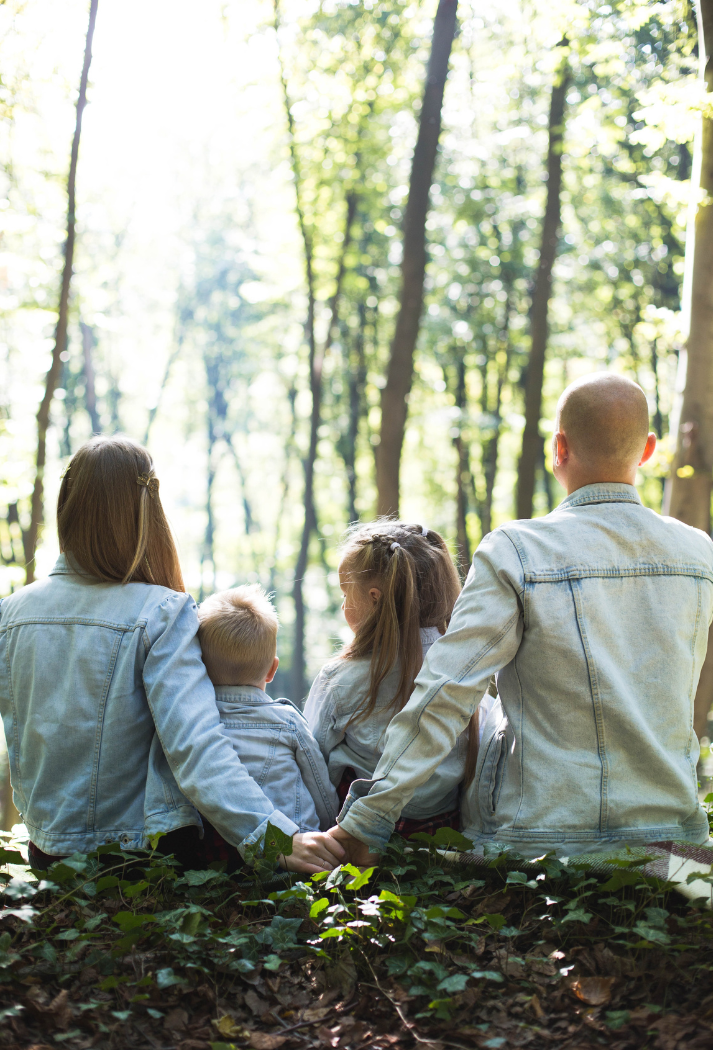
(273, 741)
(111, 722)
(337, 694)
(596, 619)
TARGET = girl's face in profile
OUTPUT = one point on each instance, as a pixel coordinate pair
(358, 600)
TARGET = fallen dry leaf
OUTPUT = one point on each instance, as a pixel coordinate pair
(315, 1013)
(228, 1027)
(176, 1020)
(536, 1007)
(267, 1040)
(257, 1005)
(593, 990)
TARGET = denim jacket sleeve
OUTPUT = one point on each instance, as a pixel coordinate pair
(202, 759)
(313, 768)
(483, 636)
(321, 711)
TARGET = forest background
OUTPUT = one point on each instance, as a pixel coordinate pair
(243, 175)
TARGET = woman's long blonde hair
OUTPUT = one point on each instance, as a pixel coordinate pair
(110, 521)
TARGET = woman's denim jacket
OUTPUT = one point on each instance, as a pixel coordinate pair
(596, 619)
(111, 722)
(273, 741)
(337, 695)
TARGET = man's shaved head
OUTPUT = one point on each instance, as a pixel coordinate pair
(605, 419)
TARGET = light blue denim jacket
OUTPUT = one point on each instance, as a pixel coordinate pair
(596, 619)
(337, 695)
(273, 741)
(111, 722)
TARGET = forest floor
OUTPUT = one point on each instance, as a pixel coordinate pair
(416, 953)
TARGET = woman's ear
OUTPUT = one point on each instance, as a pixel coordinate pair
(374, 595)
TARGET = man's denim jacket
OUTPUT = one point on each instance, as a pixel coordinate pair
(338, 693)
(273, 741)
(111, 722)
(596, 619)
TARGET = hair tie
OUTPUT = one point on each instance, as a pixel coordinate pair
(394, 545)
(150, 481)
(424, 530)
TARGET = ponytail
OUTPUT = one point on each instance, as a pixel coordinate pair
(414, 571)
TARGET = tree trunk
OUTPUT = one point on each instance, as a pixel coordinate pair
(463, 475)
(43, 413)
(399, 376)
(317, 356)
(356, 382)
(531, 440)
(90, 394)
(688, 493)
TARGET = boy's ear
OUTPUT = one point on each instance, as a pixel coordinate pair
(273, 670)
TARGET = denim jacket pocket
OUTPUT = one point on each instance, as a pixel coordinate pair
(492, 771)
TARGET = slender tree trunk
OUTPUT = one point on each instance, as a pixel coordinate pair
(208, 552)
(399, 376)
(284, 484)
(90, 394)
(531, 440)
(43, 413)
(688, 492)
(463, 475)
(170, 361)
(317, 356)
(356, 379)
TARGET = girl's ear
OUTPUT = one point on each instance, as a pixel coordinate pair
(374, 595)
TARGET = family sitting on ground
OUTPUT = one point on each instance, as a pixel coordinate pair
(546, 706)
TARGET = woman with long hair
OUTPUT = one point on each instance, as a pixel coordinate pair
(111, 722)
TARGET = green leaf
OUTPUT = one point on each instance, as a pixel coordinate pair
(10, 856)
(617, 1018)
(651, 933)
(496, 921)
(455, 983)
(128, 920)
(166, 977)
(577, 915)
(107, 882)
(68, 935)
(276, 842)
(272, 962)
(360, 879)
(318, 907)
(68, 1035)
(11, 1011)
(121, 1015)
(94, 921)
(487, 975)
(112, 982)
(135, 889)
(200, 878)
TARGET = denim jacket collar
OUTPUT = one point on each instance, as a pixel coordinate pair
(62, 567)
(601, 492)
(244, 694)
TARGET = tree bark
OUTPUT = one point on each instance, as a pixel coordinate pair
(531, 440)
(463, 474)
(688, 493)
(43, 413)
(399, 376)
(90, 394)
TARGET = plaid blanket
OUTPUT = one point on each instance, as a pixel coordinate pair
(687, 866)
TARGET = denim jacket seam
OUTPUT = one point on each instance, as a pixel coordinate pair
(437, 688)
(694, 638)
(578, 572)
(307, 752)
(597, 707)
(91, 808)
(15, 732)
(522, 556)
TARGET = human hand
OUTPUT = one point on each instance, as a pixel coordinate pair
(357, 852)
(313, 851)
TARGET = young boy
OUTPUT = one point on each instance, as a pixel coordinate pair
(238, 636)
(595, 619)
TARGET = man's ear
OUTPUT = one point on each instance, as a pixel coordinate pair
(560, 448)
(273, 671)
(649, 448)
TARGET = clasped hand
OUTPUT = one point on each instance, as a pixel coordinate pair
(314, 851)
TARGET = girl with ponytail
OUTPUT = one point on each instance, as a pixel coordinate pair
(400, 585)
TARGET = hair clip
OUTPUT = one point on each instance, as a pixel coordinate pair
(394, 545)
(150, 481)
(65, 472)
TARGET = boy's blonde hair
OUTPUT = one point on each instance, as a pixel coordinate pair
(238, 635)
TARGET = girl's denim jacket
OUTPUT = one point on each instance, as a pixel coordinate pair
(596, 620)
(274, 744)
(112, 727)
(337, 694)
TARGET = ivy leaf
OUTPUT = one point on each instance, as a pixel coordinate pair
(455, 983)
(318, 907)
(487, 975)
(166, 978)
(10, 856)
(200, 878)
(128, 920)
(360, 879)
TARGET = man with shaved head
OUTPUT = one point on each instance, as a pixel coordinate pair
(595, 620)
